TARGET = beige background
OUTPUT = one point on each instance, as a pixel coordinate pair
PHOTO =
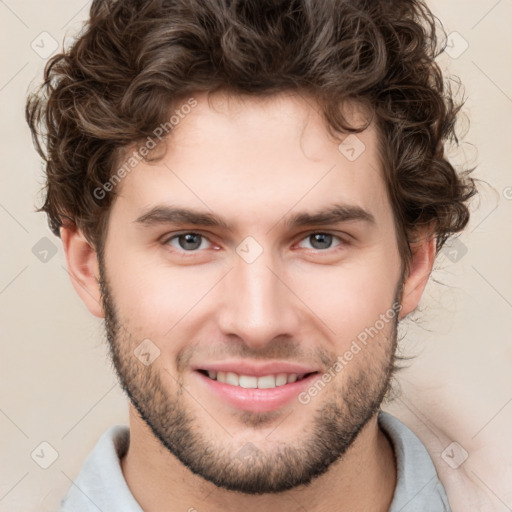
(57, 384)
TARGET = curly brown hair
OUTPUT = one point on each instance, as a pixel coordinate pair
(136, 60)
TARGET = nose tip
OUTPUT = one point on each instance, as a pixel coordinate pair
(256, 306)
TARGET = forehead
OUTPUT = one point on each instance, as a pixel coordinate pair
(253, 158)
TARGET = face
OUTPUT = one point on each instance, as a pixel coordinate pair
(250, 282)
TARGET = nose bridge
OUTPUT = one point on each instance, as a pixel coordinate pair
(257, 306)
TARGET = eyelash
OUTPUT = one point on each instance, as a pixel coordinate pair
(191, 253)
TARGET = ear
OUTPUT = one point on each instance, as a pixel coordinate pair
(83, 268)
(423, 255)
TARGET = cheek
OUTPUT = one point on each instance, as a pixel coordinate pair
(154, 298)
(350, 298)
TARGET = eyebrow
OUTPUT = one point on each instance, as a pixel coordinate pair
(331, 215)
(163, 214)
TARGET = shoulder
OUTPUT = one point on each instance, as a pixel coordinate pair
(418, 487)
(100, 483)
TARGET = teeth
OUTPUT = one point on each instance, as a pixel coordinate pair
(232, 378)
(281, 379)
(244, 381)
(252, 382)
(267, 382)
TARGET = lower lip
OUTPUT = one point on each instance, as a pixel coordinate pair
(256, 400)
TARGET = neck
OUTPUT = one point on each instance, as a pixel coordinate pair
(364, 479)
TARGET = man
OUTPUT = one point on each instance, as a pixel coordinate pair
(252, 194)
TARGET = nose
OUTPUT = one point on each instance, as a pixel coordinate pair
(256, 304)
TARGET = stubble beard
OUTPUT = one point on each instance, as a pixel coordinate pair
(338, 415)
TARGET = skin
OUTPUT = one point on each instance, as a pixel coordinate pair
(254, 162)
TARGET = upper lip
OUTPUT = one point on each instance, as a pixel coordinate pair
(257, 369)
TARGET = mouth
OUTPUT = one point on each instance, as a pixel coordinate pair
(257, 393)
(269, 381)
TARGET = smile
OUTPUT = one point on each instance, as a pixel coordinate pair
(253, 382)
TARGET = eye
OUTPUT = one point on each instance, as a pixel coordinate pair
(320, 241)
(192, 242)
(188, 241)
